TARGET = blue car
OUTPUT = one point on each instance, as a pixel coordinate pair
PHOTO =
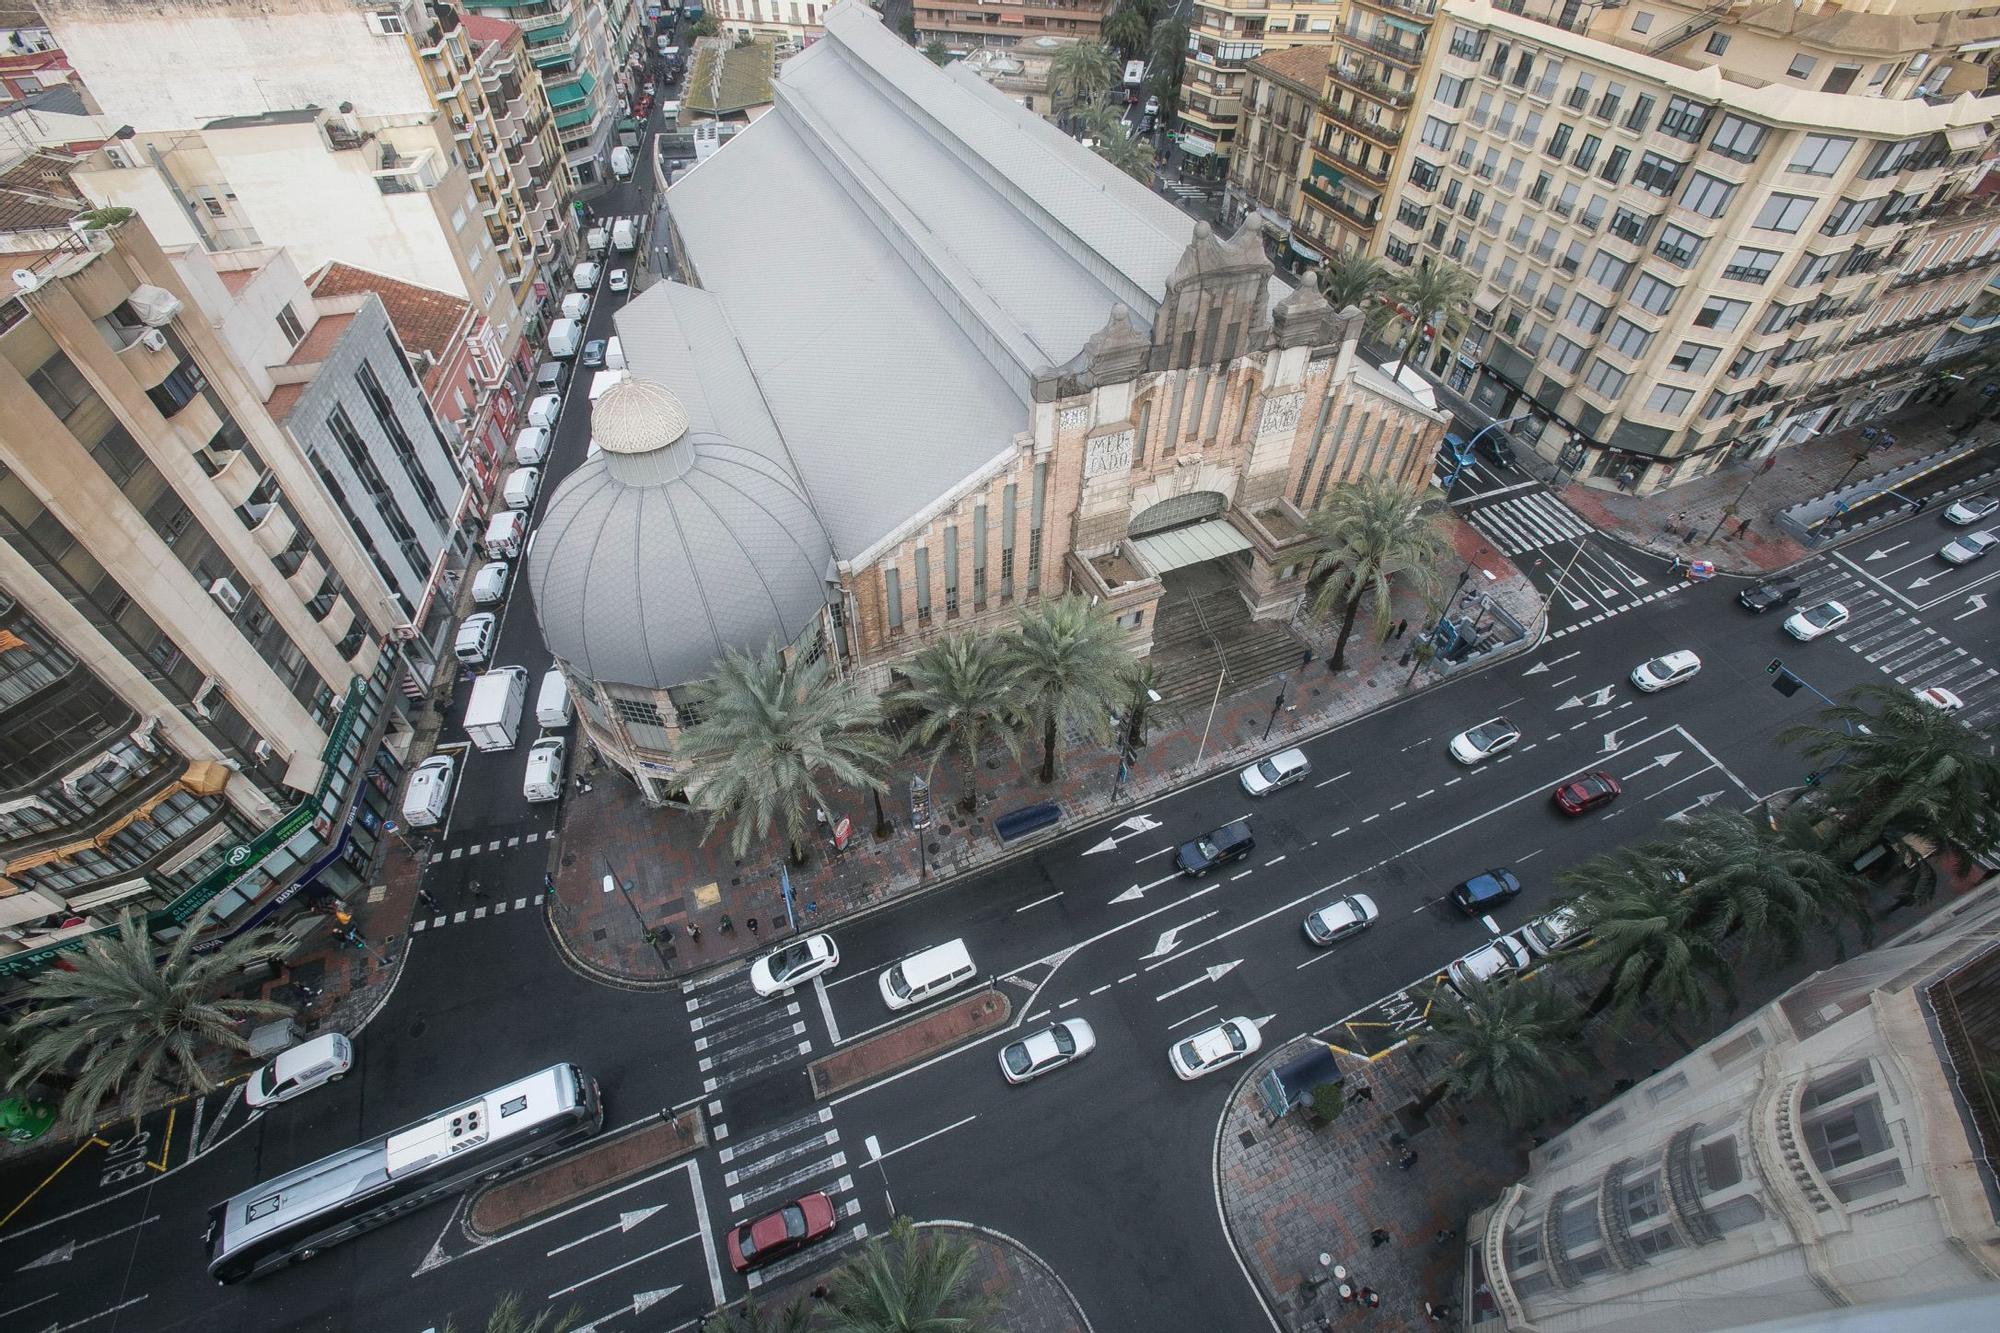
(1456, 449)
(1483, 893)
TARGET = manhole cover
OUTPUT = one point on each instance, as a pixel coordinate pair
(1248, 1139)
(569, 858)
(597, 934)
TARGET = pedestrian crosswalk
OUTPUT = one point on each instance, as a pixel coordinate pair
(481, 846)
(1527, 522)
(1184, 192)
(442, 919)
(741, 1035)
(1898, 643)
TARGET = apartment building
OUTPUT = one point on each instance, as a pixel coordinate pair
(787, 24)
(1679, 215)
(1270, 162)
(582, 50)
(335, 131)
(1224, 36)
(1834, 1151)
(195, 649)
(964, 24)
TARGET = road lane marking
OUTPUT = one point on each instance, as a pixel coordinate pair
(1337, 832)
(1330, 781)
(826, 1009)
(1105, 987)
(1273, 861)
(1372, 818)
(1239, 875)
(1191, 1017)
(1150, 855)
(885, 1156)
(618, 1268)
(1038, 902)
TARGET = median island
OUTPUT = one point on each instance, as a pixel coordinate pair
(907, 1043)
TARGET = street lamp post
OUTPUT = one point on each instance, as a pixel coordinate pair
(1277, 704)
(624, 888)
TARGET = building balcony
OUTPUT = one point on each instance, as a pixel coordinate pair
(1409, 55)
(1318, 191)
(396, 173)
(1361, 82)
(1388, 136)
(1417, 9)
(1379, 177)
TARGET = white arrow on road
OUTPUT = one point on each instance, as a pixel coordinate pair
(641, 1302)
(1138, 891)
(1636, 580)
(1923, 582)
(62, 1253)
(1575, 603)
(1215, 973)
(1136, 825)
(1541, 667)
(625, 1222)
(1611, 737)
(1170, 939)
(1884, 552)
(1597, 698)
(1702, 802)
(1978, 600)
(1659, 761)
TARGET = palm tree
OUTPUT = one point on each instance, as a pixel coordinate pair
(1431, 294)
(1364, 534)
(910, 1283)
(1353, 279)
(1904, 766)
(772, 728)
(937, 52)
(1117, 145)
(1080, 74)
(115, 1021)
(1074, 669)
(1163, 64)
(1143, 681)
(1128, 28)
(963, 691)
(1512, 1042)
(1762, 885)
(1650, 938)
(509, 1316)
(750, 1317)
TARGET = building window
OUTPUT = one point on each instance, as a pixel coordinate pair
(1751, 264)
(923, 585)
(1656, 174)
(1801, 67)
(1694, 358)
(1847, 216)
(289, 324)
(1679, 246)
(1812, 270)
(1684, 119)
(1642, 23)
(1668, 399)
(1628, 339)
(1707, 195)
(1652, 295)
(1608, 270)
(1717, 43)
(1738, 138)
(1629, 226)
(1721, 314)
(1820, 154)
(1606, 378)
(1783, 213)
(1437, 133)
(1565, 355)
(1559, 141)
(892, 597)
(1586, 314)
(1425, 175)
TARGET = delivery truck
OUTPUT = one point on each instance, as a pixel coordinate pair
(621, 163)
(625, 234)
(563, 335)
(493, 713)
(576, 306)
(596, 239)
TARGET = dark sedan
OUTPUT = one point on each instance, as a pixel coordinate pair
(1483, 893)
(1764, 596)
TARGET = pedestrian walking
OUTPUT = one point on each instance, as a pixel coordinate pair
(726, 926)
(1407, 1160)
(752, 923)
(479, 891)
(1742, 526)
(1371, 1297)
(1379, 1237)
(1402, 628)
(1306, 659)
(812, 909)
(424, 895)
(1446, 1235)
(1363, 1093)
(694, 932)
(1439, 1311)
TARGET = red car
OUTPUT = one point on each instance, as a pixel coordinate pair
(1587, 793)
(775, 1235)
(643, 109)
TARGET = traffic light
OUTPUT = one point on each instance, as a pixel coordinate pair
(1776, 663)
(1812, 778)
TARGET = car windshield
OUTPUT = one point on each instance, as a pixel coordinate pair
(1824, 614)
(1205, 848)
(795, 1220)
(746, 1240)
(789, 960)
(1190, 1055)
(1659, 666)
(1486, 733)
(898, 985)
(1268, 771)
(1016, 1057)
(1065, 1044)
(1236, 1041)
(267, 1079)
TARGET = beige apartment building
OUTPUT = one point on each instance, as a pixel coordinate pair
(1271, 162)
(787, 24)
(1834, 1151)
(964, 24)
(1685, 218)
(195, 649)
(1224, 36)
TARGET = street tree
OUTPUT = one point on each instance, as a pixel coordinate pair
(1128, 29)
(937, 52)
(1431, 294)
(511, 1316)
(1356, 280)
(1900, 765)
(1510, 1042)
(910, 1282)
(1074, 670)
(1650, 938)
(772, 730)
(117, 1022)
(793, 1317)
(1110, 140)
(1080, 75)
(961, 694)
(1765, 888)
(1163, 64)
(1364, 536)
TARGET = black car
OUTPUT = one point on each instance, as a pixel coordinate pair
(1493, 447)
(593, 354)
(1231, 842)
(1764, 596)
(1483, 893)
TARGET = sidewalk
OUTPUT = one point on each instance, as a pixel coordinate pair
(672, 879)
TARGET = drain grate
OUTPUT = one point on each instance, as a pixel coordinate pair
(1248, 1139)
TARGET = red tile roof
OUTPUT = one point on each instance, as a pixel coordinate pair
(282, 400)
(1301, 66)
(319, 342)
(427, 320)
(482, 29)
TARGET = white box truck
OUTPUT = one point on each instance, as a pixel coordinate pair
(563, 336)
(584, 275)
(493, 713)
(552, 708)
(576, 306)
(603, 380)
(505, 532)
(625, 234)
(596, 239)
(621, 164)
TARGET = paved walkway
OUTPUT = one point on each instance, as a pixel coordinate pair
(672, 881)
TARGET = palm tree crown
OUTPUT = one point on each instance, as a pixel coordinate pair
(1364, 534)
(1432, 293)
(963, 691)
(1511, 1042)
(1080, 74)
(1356, 280)
(1117, 145)
(1764, 886)
(1652, 939)
(120, 1023)
(772, 728)
(1128, 29)
(1073, 666)
(909, 1283)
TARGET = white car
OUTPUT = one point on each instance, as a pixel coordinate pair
(1494, 736)
(620, 280)
(1548, 935)
(1972, 546)
(1341, 918)
(1937, 696)
(1667, 669)
(1809, 624)
(1280, 770)
(1971, 509)
(1056, 1045)
(1493, 959)
(1212, 1048)
(324, 1059)
(489, 585)
(783, 970)
(543, 779)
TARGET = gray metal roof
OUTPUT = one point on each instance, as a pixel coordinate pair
(646, 566)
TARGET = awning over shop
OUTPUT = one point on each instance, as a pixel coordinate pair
(1193, 145)
(1178, 548)
(1305, 252)
(1326, 175)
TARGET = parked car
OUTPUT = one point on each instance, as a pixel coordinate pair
(1060, 1043)
(544, 410)
(1657, 673)
(1457, 449)
(1493, 447)
(1972, 546)
(1495, 958)
(784, 969)
(1211, 1048)
(1341, 919)
(1280, 770)
(1815, 620)
(593, 354)
(324, 1059)
(1559, 930)
(544, 776)
(620, 280)
(1491, 737)
(1592, 791)
(798, 1224)
(489, 585)
(1778, 592)
(1971, 509)
(1937, 696)
(1231, 842)
(1484, 892)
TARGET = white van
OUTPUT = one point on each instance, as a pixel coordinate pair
(614, 354)
(475, 638)
(544, 410)
(552, 702)
(584, 275)
(522, 483)
(929, 972)
(489, 585)
(505, 532)
(531, 445)
(545, 769)
(576, 306)
(429, 794)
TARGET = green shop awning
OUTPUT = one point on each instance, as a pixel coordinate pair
(1327, 176)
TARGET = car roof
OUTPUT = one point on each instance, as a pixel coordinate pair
(1678, 657)
(305, 1055)
(1210, 1043)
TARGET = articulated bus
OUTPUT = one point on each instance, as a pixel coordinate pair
(296, 1215)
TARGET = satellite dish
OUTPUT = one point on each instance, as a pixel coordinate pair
(26, 279)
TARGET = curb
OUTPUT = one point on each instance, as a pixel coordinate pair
(1255, 1283)
(1032, 1257)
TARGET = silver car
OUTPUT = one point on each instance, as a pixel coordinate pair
(1341, 918)
(1972, 546)
(1056, 1045)
(1971, 509)
(1280, 770)
(1493, 736)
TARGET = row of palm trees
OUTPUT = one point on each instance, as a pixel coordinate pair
(1427, 297)
(1673, 920)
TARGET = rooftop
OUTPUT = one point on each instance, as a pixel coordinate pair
(482, 29)
(1301, 66)
(36, 193)
(727, 78)
(426, 319)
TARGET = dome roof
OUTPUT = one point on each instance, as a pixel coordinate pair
(670, 547)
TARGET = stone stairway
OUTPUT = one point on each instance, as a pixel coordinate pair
(1196, 635)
